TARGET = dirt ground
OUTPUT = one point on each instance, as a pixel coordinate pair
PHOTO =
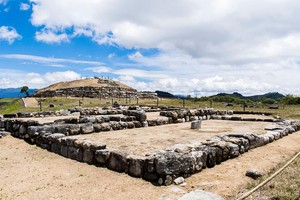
(140, 141)
(28, 172)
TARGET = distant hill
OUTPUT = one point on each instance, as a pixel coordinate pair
(162, 94)
(14, 92)
(235, 95)
(272, 95)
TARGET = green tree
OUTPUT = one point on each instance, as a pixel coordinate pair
(268, 101)
(25, 89)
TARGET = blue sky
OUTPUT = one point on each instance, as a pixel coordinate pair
(192, 47)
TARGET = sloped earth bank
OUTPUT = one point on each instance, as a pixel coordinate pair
(29, 172)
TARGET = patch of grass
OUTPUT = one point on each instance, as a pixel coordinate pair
(250, 185)
(10, 105)
(284, 186)
(62, 103)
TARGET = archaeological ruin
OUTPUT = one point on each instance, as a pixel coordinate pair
(92, 88)
(92, 136)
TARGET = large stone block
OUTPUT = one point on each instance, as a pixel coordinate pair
(201, 160)
(2, 123)
(56, 147)
(102, 156)
(171, 163)
(23, 130)
(55, 137)
(115, 125)
(97, 128)
(88, 156)
(105, 126)
(136, 165)
(130, 125)
(87, 128)
(33, 131)
(75, 153)
(64, 150)
(117, 161)
(196, 124)
(73, 129)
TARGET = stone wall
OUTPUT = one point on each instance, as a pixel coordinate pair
(91, 92)
(161, 167)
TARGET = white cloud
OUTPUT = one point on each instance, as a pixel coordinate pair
(9, 34)
(51, 37)
(251, 48)
(24, 6)
(99, 69)
(111, 55)
(47, 60)
(16, 78)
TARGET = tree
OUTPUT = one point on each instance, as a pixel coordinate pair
(25, 89)
(268, 101)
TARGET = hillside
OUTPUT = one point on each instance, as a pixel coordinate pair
(162, 94)
(88, 82)
(272, 95)
(89, 87)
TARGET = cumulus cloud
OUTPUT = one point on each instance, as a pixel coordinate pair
(227, 45)
(9, 34)
(16, 78)
(51, 37)
(24, 6)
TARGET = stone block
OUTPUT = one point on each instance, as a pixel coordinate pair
(75, 154)
(23, 130)
(196, 124)
(73, 129)
(137, 124)
(87, 128)
(102, 156)
(97, 128)
(130, 125)
(88, 156)
(171, 163)
(56, 148)
(152, 122)
(200, 160)
(64, 150)
(55, 137)
(136, 165)
(117, 161)
(105, 127)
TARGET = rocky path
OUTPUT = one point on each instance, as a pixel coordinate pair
(30, 102)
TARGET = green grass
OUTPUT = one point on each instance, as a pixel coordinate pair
(61, 103)
(10, 105)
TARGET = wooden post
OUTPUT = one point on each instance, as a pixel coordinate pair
(40, 103)
(137, 101)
